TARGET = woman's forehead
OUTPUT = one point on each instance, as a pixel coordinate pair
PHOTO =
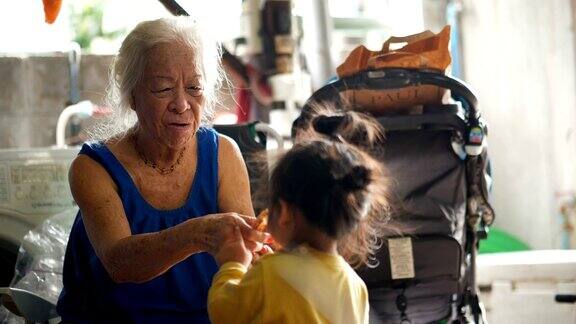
(171, 57)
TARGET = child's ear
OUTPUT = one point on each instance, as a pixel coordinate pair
(286, 217)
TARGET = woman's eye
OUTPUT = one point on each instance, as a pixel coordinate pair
(162, 90)
(195, 90)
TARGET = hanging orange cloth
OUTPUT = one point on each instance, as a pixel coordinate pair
(51, 10)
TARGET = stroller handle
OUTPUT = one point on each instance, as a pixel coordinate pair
(393, 78)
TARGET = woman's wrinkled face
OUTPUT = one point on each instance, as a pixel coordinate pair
(169, 98)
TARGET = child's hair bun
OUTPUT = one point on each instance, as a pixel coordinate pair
(328, 125)
(358, 178)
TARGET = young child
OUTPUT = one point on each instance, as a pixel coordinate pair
(320, 192)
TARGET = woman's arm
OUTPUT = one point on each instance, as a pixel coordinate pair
(233, 182)
(138, 258)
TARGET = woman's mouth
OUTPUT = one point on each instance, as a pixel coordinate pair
(179, 125)
(179, 128)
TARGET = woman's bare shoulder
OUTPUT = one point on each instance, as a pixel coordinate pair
(233, 183)
(119, 145)
(86, 172)
(122, 147)
(228, 150)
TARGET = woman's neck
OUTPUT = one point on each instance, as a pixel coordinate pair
(151, 152)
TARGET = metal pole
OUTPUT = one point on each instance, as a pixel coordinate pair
(323, 28)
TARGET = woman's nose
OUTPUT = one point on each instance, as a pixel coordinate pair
(180, 102)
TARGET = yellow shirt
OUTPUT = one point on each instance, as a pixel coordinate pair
(300, 286)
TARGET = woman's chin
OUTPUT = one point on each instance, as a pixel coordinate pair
(179, 136)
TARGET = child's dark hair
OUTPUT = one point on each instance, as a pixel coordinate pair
(338, 189)
(327, 121)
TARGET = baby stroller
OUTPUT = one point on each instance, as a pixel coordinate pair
(436, 156)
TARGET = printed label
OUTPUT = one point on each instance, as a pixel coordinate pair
(401, 258)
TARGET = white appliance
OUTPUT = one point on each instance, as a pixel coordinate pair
(33, 186)
(520, 287)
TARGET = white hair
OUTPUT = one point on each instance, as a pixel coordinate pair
(128, 67)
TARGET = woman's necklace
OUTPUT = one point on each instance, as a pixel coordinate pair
(154, 165)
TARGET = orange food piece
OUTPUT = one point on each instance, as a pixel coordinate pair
(51, 10)
(263, 227)
(263, 218)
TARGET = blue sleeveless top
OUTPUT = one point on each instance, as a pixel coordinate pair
(179, 295)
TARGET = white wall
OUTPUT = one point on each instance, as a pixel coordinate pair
(519, 57)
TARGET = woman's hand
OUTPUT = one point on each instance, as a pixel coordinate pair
(217, 228)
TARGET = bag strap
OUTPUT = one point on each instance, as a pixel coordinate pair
(405, 39)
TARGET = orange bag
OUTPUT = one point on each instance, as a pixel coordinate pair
(423, 51)
(51, 10)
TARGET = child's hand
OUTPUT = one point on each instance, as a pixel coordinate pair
(266, 249)
(234, 250)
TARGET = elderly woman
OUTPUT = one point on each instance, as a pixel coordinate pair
(159, 195)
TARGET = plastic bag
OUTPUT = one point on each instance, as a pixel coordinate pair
(41, 256)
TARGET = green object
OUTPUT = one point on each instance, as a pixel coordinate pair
(87, 17)
(500, 241)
